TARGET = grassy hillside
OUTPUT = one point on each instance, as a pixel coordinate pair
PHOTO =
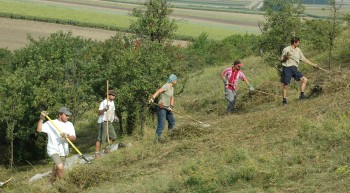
(263, 147)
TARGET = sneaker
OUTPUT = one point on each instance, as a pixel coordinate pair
(302, 97)
(284, 102)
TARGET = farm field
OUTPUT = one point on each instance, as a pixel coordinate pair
(191, 23)
(219, 19)
(14, 32)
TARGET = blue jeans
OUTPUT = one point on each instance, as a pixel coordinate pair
(164, 115)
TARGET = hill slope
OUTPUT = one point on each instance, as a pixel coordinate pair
(263, 147)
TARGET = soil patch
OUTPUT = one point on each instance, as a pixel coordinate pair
(14, 32)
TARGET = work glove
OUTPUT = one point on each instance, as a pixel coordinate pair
(251, 88)
(64, 135)
(225, 81)
(43, 115)
(151, 100)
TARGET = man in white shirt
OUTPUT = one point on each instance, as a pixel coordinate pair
(106, 115)
(57, 145)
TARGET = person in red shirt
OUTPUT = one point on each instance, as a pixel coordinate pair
(230, 77)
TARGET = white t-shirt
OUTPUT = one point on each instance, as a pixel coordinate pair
(110, 114)
(55, 143)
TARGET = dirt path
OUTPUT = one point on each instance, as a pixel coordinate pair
(13, 32)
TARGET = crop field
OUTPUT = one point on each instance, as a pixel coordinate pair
(217, 25)
(218, 18)
(323, 11)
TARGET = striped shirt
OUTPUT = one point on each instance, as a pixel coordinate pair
(228, 72)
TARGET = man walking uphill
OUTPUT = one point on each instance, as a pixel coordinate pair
(106, 115)
(291, 57)
(231, 76)
(57, 145)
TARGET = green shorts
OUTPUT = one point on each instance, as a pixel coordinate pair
(102, 132)
(57, 159)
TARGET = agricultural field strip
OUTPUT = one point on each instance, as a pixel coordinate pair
(318, 10)
(210, 16)
(203, 3)
(66, 11)
(13, 32)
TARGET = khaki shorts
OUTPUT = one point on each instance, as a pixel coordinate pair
(102, 133)
(57, 159)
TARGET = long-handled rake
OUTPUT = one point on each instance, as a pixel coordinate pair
(69, 141)
(107, 120)
(3, 183)
(197, 121)
(255, 90)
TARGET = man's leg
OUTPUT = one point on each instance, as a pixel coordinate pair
(112, 137)
(303, 86)
(229, 95)
(58, 168)
(284, 93)
(60, 171)
(53, 174)
(98, 141)
(98, 146)
(287, 74)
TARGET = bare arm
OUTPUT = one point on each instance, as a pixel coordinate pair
(157, 93)
(39, 127)
(246, 81)
(309, 62)
(172, 100)
(223, 75)
(71, 137)
(100, 112)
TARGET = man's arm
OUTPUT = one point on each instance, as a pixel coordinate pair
(71, 133)
(309, 62)
(246, 81)
(102, 109)
(39, 126)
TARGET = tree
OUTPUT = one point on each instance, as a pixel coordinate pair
(153, 22)
(47, 74)
(282, 23)
(335, 27)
